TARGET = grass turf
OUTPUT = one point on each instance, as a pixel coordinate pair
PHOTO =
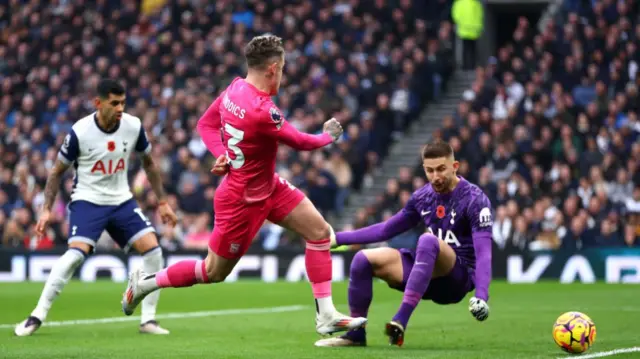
(519, 326)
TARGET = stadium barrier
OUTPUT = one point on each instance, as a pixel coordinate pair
(611, 265)
(20, 266)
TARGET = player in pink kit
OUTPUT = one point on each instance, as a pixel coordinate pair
(242, 128)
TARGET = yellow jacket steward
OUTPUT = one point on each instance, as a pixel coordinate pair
(468, 16)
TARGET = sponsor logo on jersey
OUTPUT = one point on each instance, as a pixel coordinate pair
(448, 236)
(485, 217)
(108, 167)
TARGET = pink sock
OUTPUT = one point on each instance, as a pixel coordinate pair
(182, 274)
(317, 260)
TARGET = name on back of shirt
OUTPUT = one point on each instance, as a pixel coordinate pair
(233, 108)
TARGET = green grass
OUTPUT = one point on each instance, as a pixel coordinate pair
(519, 325)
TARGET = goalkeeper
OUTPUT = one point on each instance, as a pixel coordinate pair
(452, 259)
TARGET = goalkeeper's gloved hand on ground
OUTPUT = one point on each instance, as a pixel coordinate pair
(479, 308)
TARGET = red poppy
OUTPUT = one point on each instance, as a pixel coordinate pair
(440, 212)
(111, 146)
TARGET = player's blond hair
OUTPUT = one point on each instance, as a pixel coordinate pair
(263, 49)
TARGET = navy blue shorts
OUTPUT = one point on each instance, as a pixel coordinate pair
(125, 223)
(449, 289)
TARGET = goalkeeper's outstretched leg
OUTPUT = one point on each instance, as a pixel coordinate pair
(410, 272)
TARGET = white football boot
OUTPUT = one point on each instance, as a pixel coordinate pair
(152, 327)
(337, 322)
(132, 295)
(27, 327)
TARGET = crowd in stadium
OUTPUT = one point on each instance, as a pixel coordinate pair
(550, 130)
(174, 59)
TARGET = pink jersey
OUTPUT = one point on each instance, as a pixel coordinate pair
(247, 126)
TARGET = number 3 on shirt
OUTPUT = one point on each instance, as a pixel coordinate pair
(232, 145)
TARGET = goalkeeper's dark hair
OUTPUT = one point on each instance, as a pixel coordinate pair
(437, 149)
(262, 50)
(110, 86)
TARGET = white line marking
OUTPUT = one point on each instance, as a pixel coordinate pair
(607, 354)
(210, 313)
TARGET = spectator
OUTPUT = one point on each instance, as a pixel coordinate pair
(550, 131)
(372, 65)
(198, 236)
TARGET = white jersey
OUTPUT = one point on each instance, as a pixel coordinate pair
(101, 158)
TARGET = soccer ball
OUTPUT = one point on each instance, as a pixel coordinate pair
(574, 332)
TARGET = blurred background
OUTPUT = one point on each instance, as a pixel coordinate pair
(539, 101)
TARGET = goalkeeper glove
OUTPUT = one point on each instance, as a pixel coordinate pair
(479, 308)
(332, 238)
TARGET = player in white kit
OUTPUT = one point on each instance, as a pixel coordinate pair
(99, 147)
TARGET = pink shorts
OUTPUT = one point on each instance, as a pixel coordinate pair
(238, 222)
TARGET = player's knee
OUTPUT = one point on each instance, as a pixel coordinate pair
(82, 247)
(213, 274)
(360, 265)
(146, 243)
(319, 232)
(429, 242)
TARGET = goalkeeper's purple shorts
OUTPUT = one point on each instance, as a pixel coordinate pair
(449, 289)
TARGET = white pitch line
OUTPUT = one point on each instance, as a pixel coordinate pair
(607, 354)
(210, 313)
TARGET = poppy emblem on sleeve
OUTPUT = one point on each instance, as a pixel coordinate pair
(111, 146)
(440, 212)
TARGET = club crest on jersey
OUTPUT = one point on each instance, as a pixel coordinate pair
(440, 212)
(111, 146)
(276, 116)
(234, 247)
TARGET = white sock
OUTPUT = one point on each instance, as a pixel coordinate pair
(58, 278)
(325, 306)
(152, 262)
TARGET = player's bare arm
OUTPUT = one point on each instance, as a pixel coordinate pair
(50, 193)
(155, 179)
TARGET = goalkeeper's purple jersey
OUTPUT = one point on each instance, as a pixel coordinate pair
(461, 218)
(453, 217)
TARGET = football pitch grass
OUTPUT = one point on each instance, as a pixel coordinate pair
(257, 320)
